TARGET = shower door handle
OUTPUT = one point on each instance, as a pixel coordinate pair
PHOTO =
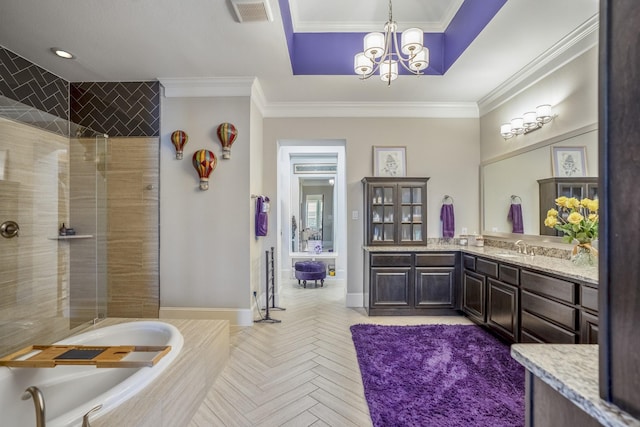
(9, 229)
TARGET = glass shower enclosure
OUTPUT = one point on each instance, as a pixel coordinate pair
(53, 195)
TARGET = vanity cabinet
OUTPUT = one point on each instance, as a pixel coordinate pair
(552, 188)
(410, 283)
(395, 211)
(529, 306)
(549, 312)
(588, 315)
(490, 295)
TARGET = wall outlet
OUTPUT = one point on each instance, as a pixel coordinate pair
(464, 230)
(355, 214)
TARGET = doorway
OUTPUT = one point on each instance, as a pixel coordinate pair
(312, 208)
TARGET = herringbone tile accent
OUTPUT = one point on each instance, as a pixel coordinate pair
(301, 372)
(24, 81)
(117, 108)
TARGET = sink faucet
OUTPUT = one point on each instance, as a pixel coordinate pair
(521, 249)
(38, 400)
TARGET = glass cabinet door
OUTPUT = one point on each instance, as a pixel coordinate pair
(383, 214)
(411, 211)
(395, 211)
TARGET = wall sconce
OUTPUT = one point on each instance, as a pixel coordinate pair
(530, 121)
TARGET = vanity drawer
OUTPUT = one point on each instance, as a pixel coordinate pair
(541, 330)
(509, 274)
(436, 260)
(391, 260)
(549, 286)
(469, 262)
(559, 313)
(487, 267)
(589, 298)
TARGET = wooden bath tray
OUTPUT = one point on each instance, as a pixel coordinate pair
(50, 356)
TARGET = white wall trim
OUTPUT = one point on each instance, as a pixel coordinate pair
(570, 47)
(372, 109)
(355, 300)
(203, 87)
(235, 316)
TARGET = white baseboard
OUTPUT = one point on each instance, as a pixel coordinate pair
(235, 316)
(355, 300)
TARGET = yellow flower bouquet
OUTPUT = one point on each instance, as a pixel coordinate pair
(578, 220)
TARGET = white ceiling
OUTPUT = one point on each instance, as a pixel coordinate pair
(129, 40)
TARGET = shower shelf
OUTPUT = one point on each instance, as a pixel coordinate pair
(75, 236)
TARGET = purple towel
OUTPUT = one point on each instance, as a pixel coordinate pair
(448, 220)
(515, 216)
(262, 217)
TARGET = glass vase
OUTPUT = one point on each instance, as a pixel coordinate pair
(584, 256)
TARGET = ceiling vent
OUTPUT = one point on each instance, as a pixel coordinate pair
(252, 10)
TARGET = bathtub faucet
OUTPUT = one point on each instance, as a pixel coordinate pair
(38, 400)
(85, 419)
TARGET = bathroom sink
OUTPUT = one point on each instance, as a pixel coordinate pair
(509, 255)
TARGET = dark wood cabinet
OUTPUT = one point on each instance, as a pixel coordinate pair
(390, 287)
(503, 309)
(395, 211)
(552, 188)
(528, 306)
(474, 296)
(411, 283)
(588, 328)
(435, 287)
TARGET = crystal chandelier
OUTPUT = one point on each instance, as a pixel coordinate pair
(381, 52)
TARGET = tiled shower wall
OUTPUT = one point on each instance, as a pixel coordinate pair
(117, 109)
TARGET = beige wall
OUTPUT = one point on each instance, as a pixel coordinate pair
(205, 250)
(446, 150)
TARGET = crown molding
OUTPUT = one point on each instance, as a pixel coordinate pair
(570, 47)
(210, 86)
(372, 109)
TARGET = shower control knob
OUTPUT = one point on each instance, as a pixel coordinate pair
(9, 229)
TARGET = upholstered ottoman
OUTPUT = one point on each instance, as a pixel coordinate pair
(310, 270)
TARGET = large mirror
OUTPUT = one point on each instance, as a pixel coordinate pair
(316, 214)
(514, 179)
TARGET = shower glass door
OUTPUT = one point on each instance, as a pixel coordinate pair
(52, 279)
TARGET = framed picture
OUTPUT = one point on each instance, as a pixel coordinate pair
(569, 161)
(389, 161)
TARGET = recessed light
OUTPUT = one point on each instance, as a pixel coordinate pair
(62, 53)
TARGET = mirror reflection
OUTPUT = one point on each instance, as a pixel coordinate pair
(515, 180)
(316, 215)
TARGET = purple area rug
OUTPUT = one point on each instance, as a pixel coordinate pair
(438, 376)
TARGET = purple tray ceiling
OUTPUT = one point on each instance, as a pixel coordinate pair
(332, 53)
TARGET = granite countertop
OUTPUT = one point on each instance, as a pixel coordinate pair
(572, 370)
(559, 266)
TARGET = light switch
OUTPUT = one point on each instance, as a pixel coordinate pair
(355, 214)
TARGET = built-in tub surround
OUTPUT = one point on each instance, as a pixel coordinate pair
(71, 391)
(166, 394)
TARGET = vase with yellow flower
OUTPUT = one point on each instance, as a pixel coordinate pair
(578, 220)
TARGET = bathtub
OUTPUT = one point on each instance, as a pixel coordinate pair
(71, 391)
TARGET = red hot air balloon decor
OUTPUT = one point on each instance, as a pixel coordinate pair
(205, 162)
(227, 134)
(179, 139)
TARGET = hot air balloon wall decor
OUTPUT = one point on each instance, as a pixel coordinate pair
(227, 134)
(179, 139)
(204, 161)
